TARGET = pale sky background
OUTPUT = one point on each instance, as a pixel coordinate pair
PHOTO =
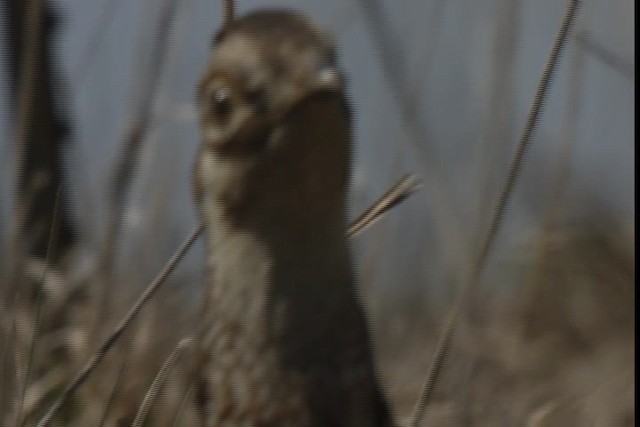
(444, 57)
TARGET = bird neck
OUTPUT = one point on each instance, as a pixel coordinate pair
(270, 279)
(280, 256)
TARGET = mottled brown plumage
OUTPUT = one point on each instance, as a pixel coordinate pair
(284, 340)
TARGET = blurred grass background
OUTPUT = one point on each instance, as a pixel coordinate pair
(441, 89)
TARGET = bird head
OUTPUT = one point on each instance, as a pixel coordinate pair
(274, 120)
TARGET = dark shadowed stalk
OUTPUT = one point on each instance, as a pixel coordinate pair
(442, 347)
(39, 133)
(228, 12)
(26, 94)
(388, 201)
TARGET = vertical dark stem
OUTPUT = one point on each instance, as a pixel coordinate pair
(41, 127)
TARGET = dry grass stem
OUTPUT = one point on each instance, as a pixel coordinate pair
(52, 241)
(119, 330)
(159, 381)
(112, 395)
(407, 185)
(446, 336)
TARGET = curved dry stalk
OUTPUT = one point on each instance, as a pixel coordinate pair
(183, 404)
(442, 347)
(38, 313)
(112, 394)
(119, 330)
(159, 381)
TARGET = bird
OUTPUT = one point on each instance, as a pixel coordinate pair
(283, 339)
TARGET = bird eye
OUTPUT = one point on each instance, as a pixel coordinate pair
(221, 102)
(258, 100)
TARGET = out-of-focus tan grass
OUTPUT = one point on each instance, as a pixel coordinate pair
(555, 349)
(68, 336)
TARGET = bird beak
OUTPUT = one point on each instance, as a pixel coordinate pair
(327, 79)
